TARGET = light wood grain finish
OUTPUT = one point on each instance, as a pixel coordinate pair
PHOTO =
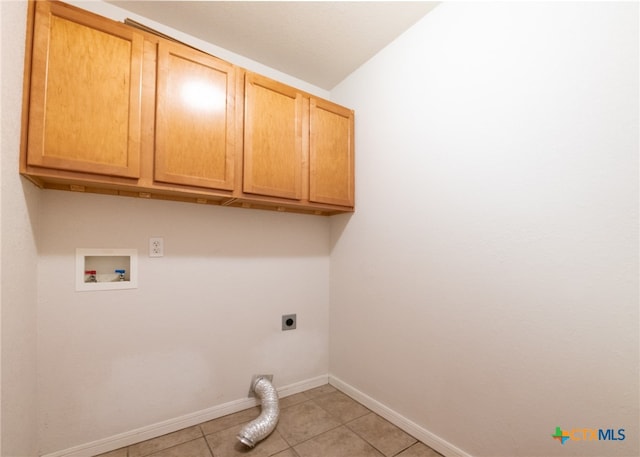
(331, 156)
(273, 154)
(85, 93)
(194, 119)
(104, 111)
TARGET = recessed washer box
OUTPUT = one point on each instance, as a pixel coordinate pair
(106, 269)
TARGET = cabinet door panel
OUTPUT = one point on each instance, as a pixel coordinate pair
(331, 154)
(194, 119)
(85, 93)
(273, 155)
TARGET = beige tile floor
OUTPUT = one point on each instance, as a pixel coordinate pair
(321, 422)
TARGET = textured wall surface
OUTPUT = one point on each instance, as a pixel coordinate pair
(487, 286)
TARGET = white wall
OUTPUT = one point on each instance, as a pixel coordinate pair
(18, 215)
(119, 14)
(204, 319)
(487, 286)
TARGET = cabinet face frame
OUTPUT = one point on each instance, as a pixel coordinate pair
(176, 166)
(46, 13)
(273, 168)
(331, 154)
(244, 186)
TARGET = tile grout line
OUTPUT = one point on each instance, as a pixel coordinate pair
(402, 450)
(170, 447)
(307, 399)
(362, 437)
(340, 423)
(346, 424)
(315, 436)
(206, 441)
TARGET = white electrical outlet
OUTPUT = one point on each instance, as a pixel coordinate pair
(156, 247)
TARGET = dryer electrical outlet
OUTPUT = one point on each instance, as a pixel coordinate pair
(289, 321)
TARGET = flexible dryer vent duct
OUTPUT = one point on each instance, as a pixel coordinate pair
(259, 428)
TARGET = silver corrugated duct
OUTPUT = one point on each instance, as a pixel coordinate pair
(259, 428)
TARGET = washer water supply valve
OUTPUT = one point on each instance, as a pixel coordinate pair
(120, 274)
(92, 276)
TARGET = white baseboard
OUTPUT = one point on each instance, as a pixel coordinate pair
(433, 441)
(162, 428)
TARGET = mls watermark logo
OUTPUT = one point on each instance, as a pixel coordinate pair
(588, 434)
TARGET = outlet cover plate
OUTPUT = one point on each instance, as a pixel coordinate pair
(156, 246)
(289, 322)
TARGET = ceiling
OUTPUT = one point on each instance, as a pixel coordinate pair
(320, 42)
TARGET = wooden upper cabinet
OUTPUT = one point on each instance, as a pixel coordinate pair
(85, 93)
(273, 138)
(113, 108)
(195, 124)
(331, 154)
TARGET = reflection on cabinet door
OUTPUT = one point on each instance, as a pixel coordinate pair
(331, 155)
(195, 128)
(273, 148)
(85, 93)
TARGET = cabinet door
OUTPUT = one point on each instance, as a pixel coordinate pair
(194, 119)
(85, 93)
(273, 155)
(331, 154)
